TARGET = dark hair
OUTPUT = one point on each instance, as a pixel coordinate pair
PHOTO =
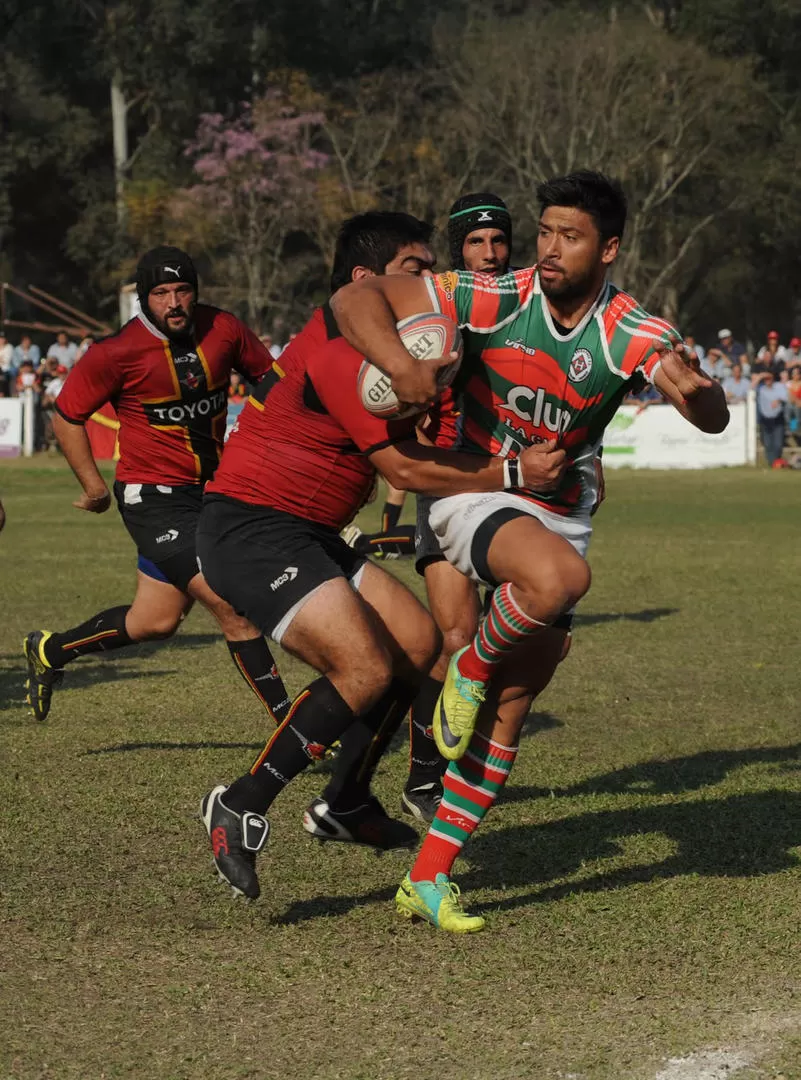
(597, 195)
(373, 240)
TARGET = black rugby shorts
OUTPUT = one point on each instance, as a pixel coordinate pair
(162, 522)
(267, 563)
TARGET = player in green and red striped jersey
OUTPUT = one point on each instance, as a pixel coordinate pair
(550, 352)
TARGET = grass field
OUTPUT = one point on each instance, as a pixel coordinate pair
(640, 878)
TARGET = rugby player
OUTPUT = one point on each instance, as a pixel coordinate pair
(479, 239)
(299, 464)
(550, 352)
(167, 373)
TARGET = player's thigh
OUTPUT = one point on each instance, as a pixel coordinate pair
(157, 608)
(410, 631)
(233, 626)
(335, 633)
(454, 603)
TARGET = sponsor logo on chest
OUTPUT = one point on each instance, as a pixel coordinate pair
(531, 406)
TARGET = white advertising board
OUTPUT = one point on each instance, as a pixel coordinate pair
(10, 427)
(657, 437)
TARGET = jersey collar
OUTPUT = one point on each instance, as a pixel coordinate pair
(599, 301)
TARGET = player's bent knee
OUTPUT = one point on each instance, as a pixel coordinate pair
(455, 639)
(157, 628)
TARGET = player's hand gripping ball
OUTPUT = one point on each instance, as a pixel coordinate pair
(428, 338)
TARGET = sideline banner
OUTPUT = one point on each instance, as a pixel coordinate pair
(10, 427)
(657, 437)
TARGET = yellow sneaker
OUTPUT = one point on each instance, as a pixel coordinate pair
(42, 678)
(456, 711)
(438, 903)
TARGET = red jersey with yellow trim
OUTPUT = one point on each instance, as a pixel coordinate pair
(170, 395)
(523, 380)
(302, 441)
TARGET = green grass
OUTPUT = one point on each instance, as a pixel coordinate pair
(640, 878)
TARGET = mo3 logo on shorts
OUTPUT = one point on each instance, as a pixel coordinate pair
(530, 405)
(289, 574)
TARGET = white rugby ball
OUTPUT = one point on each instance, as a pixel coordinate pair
(427, 337)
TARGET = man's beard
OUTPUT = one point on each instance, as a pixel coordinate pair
(569, 290)
(173, 332)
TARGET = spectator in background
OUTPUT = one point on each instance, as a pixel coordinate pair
(772, 353)
(52, 384)
(273, 349)
(86, 341)
(694, 349)
(7, 366)
(792, 354)
(237, 390)
(27, 379)
(64, 350)
(772, 397)
(736, 386)
(725, 355)
(26, 351)
(794, 405)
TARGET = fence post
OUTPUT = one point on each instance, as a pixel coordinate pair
(28, 421)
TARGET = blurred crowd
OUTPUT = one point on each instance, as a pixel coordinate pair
(772, 372)
(22, 368)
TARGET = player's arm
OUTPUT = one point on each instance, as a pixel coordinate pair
(91, 384)
(366, 312)
(253, 359)
(429, 470)
(690, 390)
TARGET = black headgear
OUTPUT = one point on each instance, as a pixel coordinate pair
(161, 266)
(482, 210)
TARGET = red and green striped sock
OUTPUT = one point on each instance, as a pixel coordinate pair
(503, 627)
(471, 785)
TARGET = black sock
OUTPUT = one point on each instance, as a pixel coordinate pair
(426, 765)
(363, 744)
(397, 541)
(102, 633)
(316, 718)
(256, 665)
(390, 516)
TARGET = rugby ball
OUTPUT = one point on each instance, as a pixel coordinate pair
(427, 337)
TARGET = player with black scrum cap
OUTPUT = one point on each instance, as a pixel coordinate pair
(166, 372)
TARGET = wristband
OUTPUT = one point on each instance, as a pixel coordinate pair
(511, 474)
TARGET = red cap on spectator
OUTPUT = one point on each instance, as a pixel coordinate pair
(795, 342)
(61, 370)
(773, 334)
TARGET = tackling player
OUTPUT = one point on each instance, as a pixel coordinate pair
(299, 464)
(166, 373)
(550, 352)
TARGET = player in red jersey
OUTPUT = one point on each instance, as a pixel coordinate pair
(299, 464)
(166, 373)
(549, 354)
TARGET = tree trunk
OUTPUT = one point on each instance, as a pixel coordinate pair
(119, 122)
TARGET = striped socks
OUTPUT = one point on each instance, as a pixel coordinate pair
(471, 785)
(503, 627)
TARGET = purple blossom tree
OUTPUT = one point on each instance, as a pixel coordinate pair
(256, 179)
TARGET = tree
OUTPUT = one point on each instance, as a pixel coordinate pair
(256, 175)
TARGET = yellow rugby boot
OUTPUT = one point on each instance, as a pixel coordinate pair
(438, 903)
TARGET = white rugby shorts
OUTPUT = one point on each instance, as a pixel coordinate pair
(457, 522)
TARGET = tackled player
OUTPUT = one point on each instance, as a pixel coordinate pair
(550, 352)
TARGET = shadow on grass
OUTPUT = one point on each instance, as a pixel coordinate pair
(670, 777)
(648, 615)
(12, 680)
(126, 748)
(320, 907)
(739, 836)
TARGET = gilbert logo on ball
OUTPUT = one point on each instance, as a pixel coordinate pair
(427, 337)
